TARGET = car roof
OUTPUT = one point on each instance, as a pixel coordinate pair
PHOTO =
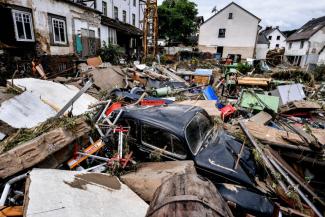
(172, 117)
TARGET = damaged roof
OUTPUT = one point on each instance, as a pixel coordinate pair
(308, 30)
(127, 28)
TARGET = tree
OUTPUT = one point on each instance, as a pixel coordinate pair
(177, 20)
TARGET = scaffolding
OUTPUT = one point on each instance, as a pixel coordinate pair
(150, 30)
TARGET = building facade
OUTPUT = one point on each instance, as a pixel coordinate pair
(58, 33)
(232, 30)
(121, 22)
(262, 47)
(53, 31)
(304, 46)
(276, 38)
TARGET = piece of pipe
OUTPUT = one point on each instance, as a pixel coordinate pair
(93, 156)
(7, 187)
(295, 187)
(261, 153)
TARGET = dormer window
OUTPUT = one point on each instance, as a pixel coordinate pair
(230, 16)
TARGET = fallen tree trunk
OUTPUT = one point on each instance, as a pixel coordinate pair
(34, 151)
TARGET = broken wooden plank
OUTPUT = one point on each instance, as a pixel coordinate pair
(32, 152)
(273, 136)
(254, 81)
(301, 105)
(172, 75)
(261, 118)
(208, 105)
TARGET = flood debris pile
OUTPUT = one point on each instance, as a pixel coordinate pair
(202, 136)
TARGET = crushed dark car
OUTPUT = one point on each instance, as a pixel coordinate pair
(180, 132)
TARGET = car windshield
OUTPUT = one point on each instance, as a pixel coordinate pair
(196, 131)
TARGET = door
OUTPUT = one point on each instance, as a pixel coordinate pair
(220, 51)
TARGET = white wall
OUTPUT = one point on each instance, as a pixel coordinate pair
(321, 58)
(295, 49)
(274, 41)
(261, 51)
(317, 41)
(241, 31)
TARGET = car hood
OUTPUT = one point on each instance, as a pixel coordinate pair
(220, 156)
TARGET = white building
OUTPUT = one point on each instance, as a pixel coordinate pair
(232, 30)
(276, 38)
(262, 47)
(304, 46)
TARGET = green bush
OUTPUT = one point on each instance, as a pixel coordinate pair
(244, 68)
(111, 53)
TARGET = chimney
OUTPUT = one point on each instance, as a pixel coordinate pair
(268, 27)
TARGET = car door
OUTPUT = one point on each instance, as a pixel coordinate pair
(161, 142)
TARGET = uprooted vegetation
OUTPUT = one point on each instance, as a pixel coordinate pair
(25, 135)
(296, 75)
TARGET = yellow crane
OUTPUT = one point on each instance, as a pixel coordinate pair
(150, 30)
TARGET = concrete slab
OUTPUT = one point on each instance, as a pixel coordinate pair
(149, 176)
(53, 193)
(25, 111)
(208, 105)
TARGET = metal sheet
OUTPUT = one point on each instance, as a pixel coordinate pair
(289, 93)
(258, 101)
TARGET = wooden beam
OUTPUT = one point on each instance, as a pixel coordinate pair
(32, 152)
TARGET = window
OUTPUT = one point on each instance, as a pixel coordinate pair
(290, 45)
(222, 33)
(58, 28)
(23, 25)
(112, 36)
(134, 3)
(196, 131)
(124, 16)
(133, 19)
(278, 37)
(133, 43)
(157, 138)
(277, 45)
(302, 44)
(104, 8)
(270, 37)
(116, 13)
(230, 16)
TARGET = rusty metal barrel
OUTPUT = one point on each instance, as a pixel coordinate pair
(188, 195)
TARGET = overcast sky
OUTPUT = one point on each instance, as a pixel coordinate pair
(288, 14)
